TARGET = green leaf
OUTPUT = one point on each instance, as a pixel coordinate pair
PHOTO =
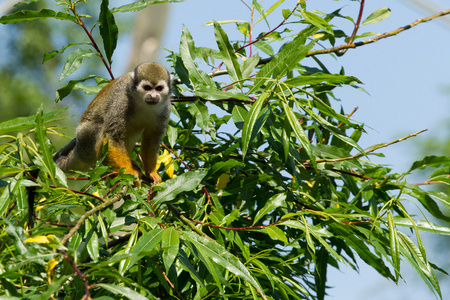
(285, 60)
(209, 250)
(222, 167)
(356, 243)
(170, 244)
(394, 245)
(211, 92)
(200, 113)
(276, 233)
(430, 161)
(227, 53)
(249, 124)
(30, 15)
(22, 123)
(423, 225)
(317, 21)
(377, 16)
(187, 51)
(92, 241)
(299, 132)
(74, 60)
(185, 182)
(43, 144)
(317, 78)
(249, 65)
(50, 55)
(271, 204)
(140, 5)
(108, 30)
(414, 256)
(124, 291)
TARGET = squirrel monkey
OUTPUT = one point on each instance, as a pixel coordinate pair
(132, 106)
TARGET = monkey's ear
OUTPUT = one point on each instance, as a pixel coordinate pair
(131, 75)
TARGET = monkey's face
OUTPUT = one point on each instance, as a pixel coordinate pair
(154, 92)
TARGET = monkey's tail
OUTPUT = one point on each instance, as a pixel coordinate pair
(61, 158)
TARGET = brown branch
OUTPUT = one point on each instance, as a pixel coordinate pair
(379, 37)
(78, 272)
(93, 211)
(91, 38)
(355, 30)
(374, 148)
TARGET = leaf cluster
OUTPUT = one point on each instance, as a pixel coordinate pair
(271, 187)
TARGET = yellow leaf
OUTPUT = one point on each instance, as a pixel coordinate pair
(51, 264)
(223, 181)
(39, 207)
(96, 193)
(42, 239)
(166, 159)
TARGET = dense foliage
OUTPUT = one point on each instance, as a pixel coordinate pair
(264, 188)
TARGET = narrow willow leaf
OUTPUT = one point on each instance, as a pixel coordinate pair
(394, 245)
(285, 60)
(270, 10)
(124, 291)
(414, 256)
(74, 60)
(430, 161)
(30, 15)
(43, 144)
(200, 113)
(317, 21)
(187, 51)
(50, 55)
(125, 264)
(308, 238)
(92, 240)
(222, 167)
(377, 16)
(276, 233)
(250, 121)
(227, 53)
(140, 5)
(108, 29)
(271, 204)
(330, 127)
(23, 123)
(209, 250)
(356, 243)
(299, 132)
(170, 243)
(333, 79)
(211, 92)
(423, 225)
(249, 65)
(185, 182)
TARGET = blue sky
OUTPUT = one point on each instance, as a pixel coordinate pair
(407, 79)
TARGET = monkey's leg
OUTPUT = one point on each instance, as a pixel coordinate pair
(149, 153)
(118, 157)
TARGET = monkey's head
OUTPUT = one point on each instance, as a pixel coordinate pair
(152, 82)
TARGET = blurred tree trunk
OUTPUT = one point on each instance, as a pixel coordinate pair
(148, 30)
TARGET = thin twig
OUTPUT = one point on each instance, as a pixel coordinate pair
(93, 211)
(379, 37)
(78, 272)
(374, 148)
(355, 30)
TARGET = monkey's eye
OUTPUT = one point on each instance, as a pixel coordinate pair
(159, 88)
(147, 87)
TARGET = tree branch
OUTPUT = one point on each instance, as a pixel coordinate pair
(93, 211)
(379, 37)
